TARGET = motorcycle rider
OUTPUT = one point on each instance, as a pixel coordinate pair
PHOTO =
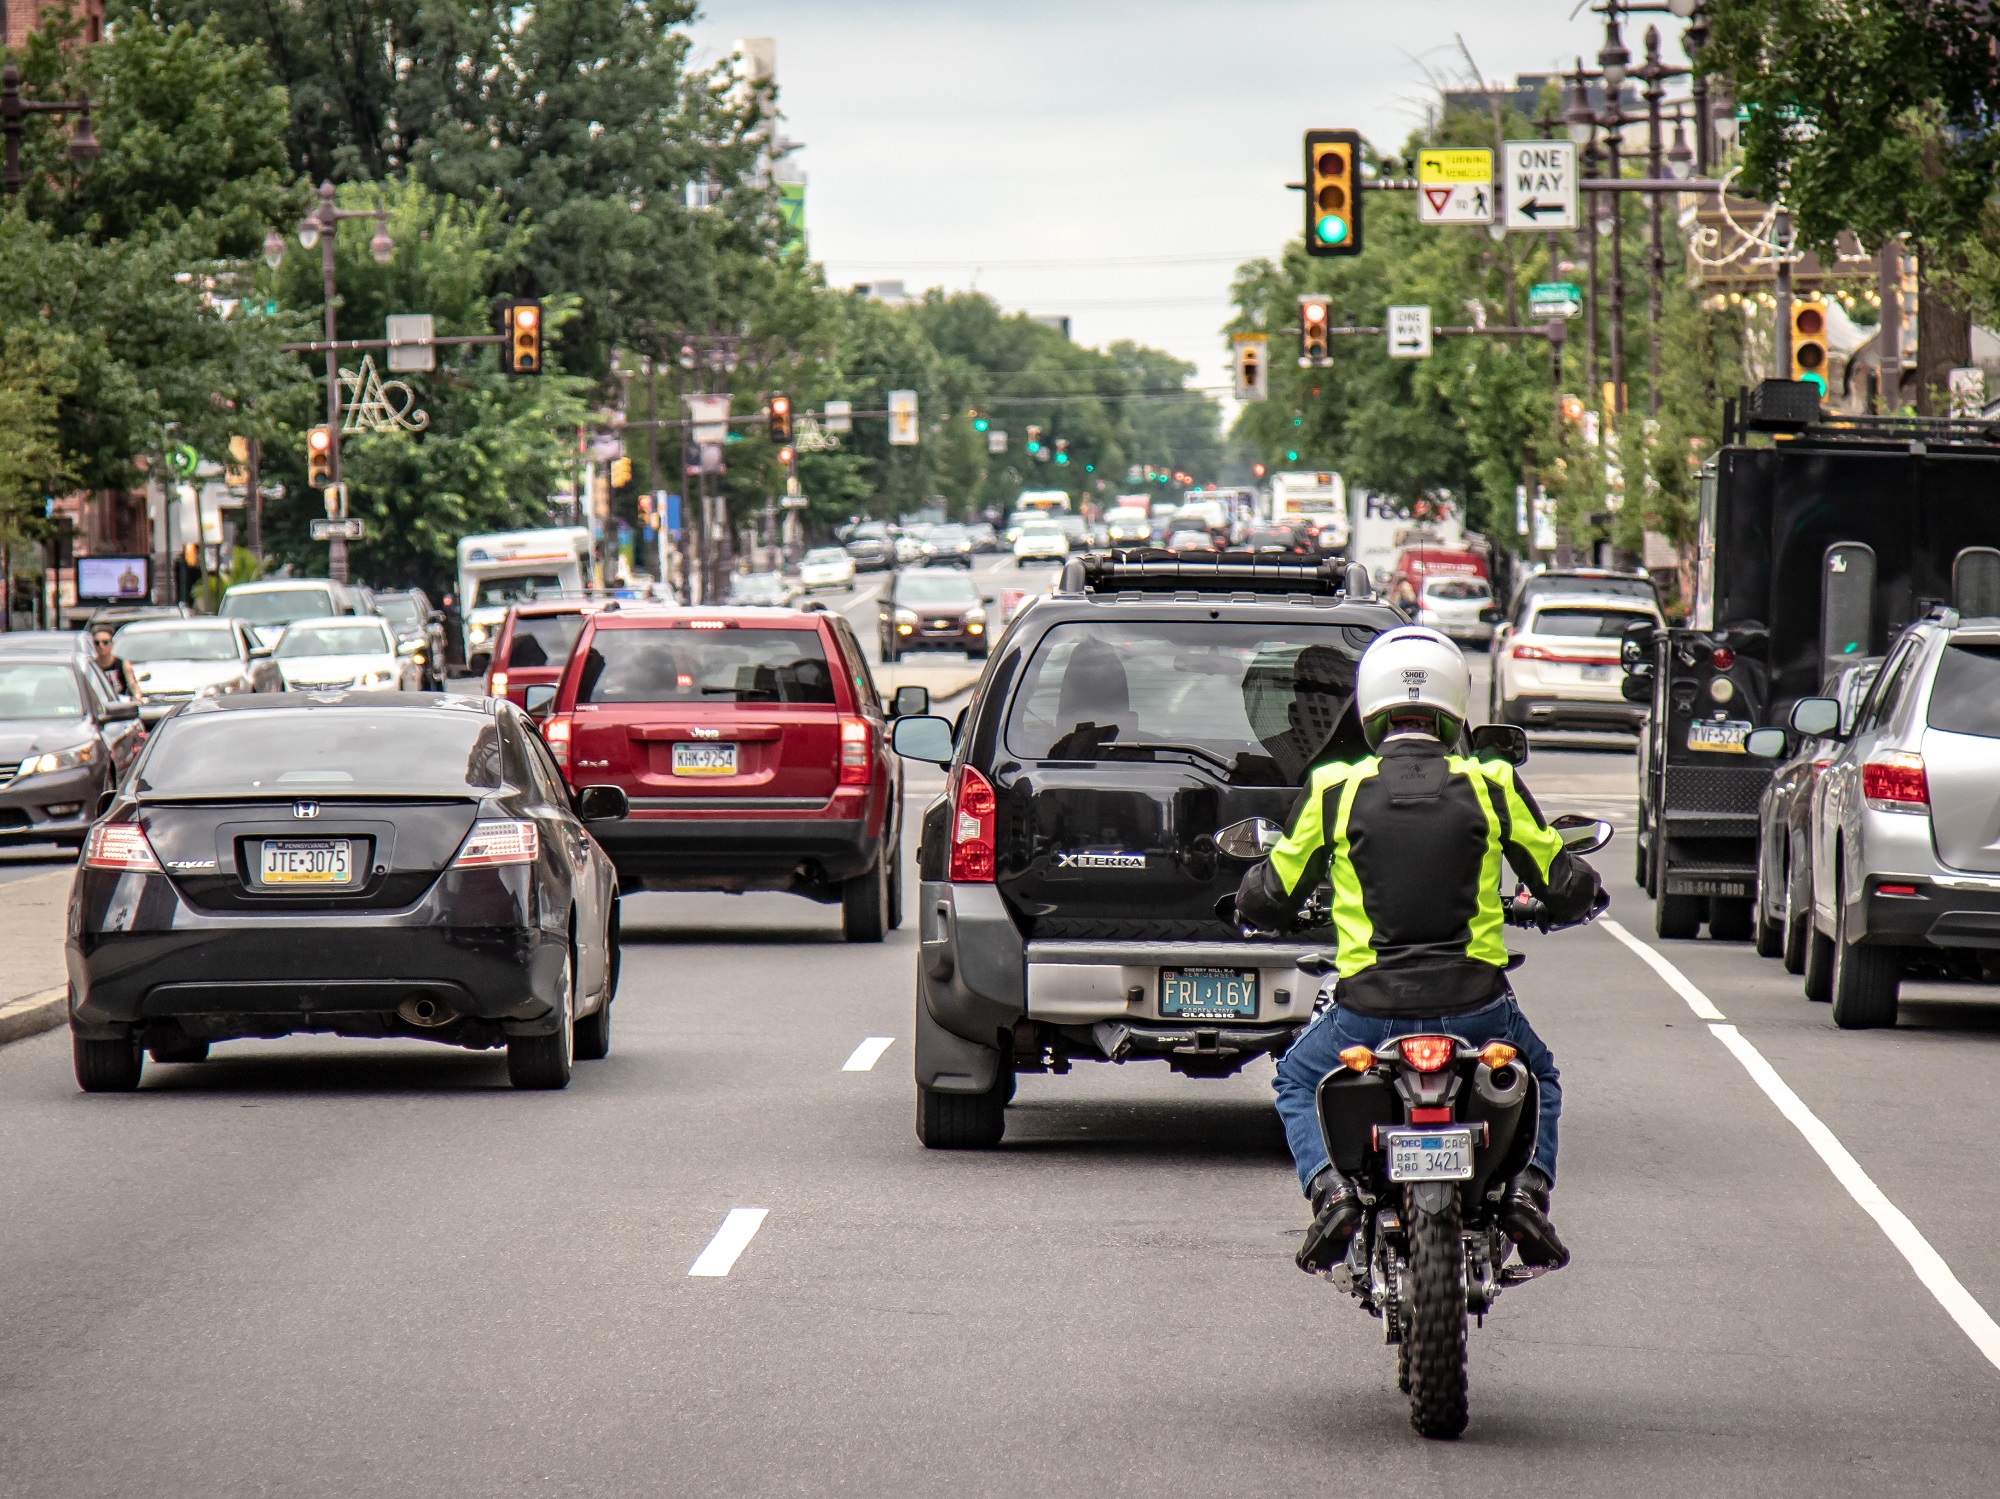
(1411, 838)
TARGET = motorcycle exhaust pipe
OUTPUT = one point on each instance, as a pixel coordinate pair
(1499, 1095)
(426, 1010)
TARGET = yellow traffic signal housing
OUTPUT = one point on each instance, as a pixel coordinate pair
(1333, 192)
(521, 354)
(1313, 321)
(1809, 343)
(780, 413)
(319, 457)
(621, 472)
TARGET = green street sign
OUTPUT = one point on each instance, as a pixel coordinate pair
(1555, 299)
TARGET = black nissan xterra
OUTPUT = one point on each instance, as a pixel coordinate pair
(1071, 878)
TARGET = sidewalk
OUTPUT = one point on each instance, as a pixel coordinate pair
(33, 982)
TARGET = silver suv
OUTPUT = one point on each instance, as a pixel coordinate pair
(1905, 824)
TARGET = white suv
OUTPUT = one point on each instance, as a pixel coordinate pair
(1559, 668)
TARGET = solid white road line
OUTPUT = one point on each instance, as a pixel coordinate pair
(1929, 1265)
(730, 1240)
(868, 1053)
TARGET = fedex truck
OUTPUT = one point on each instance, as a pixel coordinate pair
(506, 567)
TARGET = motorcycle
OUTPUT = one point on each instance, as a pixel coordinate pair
(1431, 1130)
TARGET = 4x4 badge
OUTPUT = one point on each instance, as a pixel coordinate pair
(1100, 861)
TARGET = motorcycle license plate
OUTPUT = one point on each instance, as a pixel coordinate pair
(704, 759)
(1209, 993)
(1725, 738)
(1443, 1155)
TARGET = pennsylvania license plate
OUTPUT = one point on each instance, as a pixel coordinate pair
(327, 861)
(1597, 673)
(704, 759)
(1443, 1155)
(1723, 738)
(1209, 993)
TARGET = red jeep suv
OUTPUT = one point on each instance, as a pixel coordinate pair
(753, 747)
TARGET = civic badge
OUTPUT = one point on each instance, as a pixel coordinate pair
(306, 810)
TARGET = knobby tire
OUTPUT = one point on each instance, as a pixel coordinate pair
(1435, 1331)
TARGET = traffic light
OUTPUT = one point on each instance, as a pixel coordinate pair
(621, 472)
(785, 456)
(319, 457)
(1809, 343)
(1035, 442)
(1312, 330)
(1062, 450)
(521, 354)
(780, 414)
(979, 422)
(1333, 192)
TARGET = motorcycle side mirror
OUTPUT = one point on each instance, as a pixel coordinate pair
(1505, 742)
(1581, 835)
(1765, 744)
(1251, 838)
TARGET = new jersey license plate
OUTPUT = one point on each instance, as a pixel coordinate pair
(1728, 738)
(1209, 993)
(325, 861)
(1443, 1155)
(704, 759)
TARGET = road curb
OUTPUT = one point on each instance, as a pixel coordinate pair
(30, 1016)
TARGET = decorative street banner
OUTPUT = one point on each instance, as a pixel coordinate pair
(1455, 185)
(377, 405)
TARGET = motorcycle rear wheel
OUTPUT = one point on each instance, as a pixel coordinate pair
(1435, 1335)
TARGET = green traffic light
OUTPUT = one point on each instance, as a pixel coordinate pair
(1291, 457)
(1034, 447)
(1062, 457)
(1332, 229)
(980, 424)
(1816, 380)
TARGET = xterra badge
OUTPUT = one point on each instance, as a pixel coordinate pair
(1100, 861)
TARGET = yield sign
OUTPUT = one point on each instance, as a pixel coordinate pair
(1455, 185)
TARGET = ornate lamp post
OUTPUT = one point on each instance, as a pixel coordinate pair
(14, 110)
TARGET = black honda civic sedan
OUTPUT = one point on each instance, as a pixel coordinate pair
(361, 863)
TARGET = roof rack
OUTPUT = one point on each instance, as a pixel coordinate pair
(1791, 409)
(1151, 570)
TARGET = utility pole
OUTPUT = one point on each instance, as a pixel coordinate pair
(1889, 330)
(1781, 334)
(1656, 76)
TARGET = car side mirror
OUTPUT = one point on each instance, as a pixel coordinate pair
(910, 702)
(1638, 685)
(1766, 744)
(539, 698)
(1505, 742)
(1581, 835)
(1251, 838)
(602, 803)
(409, 647)
(122, 711)
(1816, 717)
(1489, 615)
(106, 799)
(922, 737)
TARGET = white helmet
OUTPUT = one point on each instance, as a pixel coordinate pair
(1412, 668)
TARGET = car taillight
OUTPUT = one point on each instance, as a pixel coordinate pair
(1895, 783)
(496, 685)
(854, 747)
(120, 845)
(555, 734)
(972, 808)
(1522, 651)
(1722, 658)
(496, 841)
(1426, 1053)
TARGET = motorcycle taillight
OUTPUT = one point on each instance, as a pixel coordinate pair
(1426, 1053)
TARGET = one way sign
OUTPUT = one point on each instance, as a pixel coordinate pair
(1541, 184)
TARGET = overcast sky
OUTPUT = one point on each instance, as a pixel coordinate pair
(1037, 150)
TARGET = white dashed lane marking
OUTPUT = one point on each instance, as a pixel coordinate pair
(730, 1240)
(868, 1053)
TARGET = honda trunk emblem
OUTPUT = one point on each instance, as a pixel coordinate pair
(305, 809)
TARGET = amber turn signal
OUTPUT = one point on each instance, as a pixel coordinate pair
(1497, 1054)
(1360, 1058)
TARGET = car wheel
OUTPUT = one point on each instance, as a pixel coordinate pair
(963, 1121)
(106, 1066)
(1730, 918)
(1866, 979)
(1797, 919)
(182, 1051)
(1675, 917)
(593, 1033)
(544, 1061)
(1818, 967)
(864, 902)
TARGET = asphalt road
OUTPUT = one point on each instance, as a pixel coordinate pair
(403, 1278)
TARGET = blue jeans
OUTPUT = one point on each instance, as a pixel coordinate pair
(1317, 1050)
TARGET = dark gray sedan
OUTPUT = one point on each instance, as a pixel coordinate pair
(65, 738)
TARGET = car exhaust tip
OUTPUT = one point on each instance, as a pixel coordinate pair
(426, 1010)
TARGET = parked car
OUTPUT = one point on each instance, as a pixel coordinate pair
(533, 643)
(175, 661)
(1905, 858)
(1560, 668)
(871, 546)
(354, 864)
(342, 653)
(930, 611)
(65, 738)
(947, 546)
(1461, 607)
(411, 616)
(269, 606)
(826, 567)
(753, 747)
(774, 590)
(1782, 906)
(1040, 541)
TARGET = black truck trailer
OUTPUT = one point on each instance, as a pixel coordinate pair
(1816, 545)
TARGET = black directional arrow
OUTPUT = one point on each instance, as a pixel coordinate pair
(1534, 208)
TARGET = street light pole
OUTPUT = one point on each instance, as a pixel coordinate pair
(14, 110)
(1656, 75)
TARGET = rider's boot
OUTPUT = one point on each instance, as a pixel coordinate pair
(1336, 1215)
(1525, 1216)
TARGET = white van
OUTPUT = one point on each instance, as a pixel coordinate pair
(508, 567)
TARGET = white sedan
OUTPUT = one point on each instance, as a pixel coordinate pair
(826, 567)
(1459, 606)
(1040, 543)
(342, 653)
(174, 661)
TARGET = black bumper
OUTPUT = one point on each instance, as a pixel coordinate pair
(1934, 916)
(1568, 713)
(50, 808)
(805, 855)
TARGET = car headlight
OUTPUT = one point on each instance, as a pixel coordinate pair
(479, 634)
(374, 678)
(906, 616)
(975, 616)
(63, 759)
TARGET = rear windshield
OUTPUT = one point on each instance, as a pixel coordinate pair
(514, 590)
(1459, 589)
(350, 637)
(544, 640)
(1617, 588)
(278, 606)
(1259, 704)
(193, 643)
(1584, 624)
(1965, 696)
(328, 751)
(398, 611)
(705, 666)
